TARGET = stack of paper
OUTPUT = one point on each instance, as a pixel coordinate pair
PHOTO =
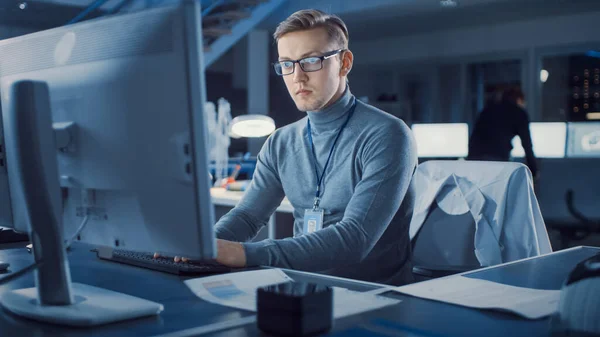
(238, 290)
(481, 294)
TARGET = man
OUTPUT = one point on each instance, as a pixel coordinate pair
(497, 125)
(345, 168)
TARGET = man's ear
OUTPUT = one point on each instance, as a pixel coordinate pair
(347, 61)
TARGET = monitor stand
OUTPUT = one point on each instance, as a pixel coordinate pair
(54, 299)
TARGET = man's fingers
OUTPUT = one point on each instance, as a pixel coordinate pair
(176, 258)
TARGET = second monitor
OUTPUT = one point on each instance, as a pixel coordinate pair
(442, 140)
(548, 139)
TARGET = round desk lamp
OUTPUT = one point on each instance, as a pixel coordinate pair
(251, 126)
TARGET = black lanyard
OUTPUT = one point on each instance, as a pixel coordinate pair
(312, 148)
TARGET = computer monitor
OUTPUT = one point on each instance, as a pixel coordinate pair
(548, 139)
(583, 140)
(442, 140)
(124, 98)
(5, 209)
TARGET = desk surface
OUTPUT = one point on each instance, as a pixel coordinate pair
(223, 197)
(183, 310)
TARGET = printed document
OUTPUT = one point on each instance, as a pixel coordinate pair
(482, 294)
(238, 290)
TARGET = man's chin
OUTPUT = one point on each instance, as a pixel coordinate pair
(305, 106)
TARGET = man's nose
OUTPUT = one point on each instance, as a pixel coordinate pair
(299, 74)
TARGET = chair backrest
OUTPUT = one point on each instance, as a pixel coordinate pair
(445, 239)
(446, 230)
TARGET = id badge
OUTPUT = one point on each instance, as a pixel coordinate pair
(313, 220)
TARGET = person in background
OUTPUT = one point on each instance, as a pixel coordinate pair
(497, 125)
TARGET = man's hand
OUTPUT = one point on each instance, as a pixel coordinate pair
(229, 253)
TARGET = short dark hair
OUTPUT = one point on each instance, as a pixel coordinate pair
(513, 95)
(313, 18)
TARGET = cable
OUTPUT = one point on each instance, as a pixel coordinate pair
(77, 232)
(95, 5)
(119, 7)
(20, 273)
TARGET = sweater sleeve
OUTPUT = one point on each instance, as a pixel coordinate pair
(388, 161)
(261, 199)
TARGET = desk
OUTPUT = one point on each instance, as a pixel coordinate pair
(223, 197)
(183, 310)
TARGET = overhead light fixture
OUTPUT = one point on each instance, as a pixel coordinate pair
(23, 5)
(251, 126)
(593, 115)
(544, 75)
(448, 3)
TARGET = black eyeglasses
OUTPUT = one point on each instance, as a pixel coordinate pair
(308, 64)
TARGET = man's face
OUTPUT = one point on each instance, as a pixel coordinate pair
(311, 90)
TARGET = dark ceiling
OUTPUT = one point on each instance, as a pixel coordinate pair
(39, 15)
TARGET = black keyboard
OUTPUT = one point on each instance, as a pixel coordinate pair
(147, 260)
(10, 236)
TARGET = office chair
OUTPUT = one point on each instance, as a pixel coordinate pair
(473, 214)
(574, 230)
(444, 245)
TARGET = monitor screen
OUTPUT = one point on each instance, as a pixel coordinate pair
(548, 140)
(104, 134)
(439, 140)
(136, 167)
(584, 139)
(5, 206)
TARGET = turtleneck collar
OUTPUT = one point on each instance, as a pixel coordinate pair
(331, 117)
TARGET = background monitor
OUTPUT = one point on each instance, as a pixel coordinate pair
(450, 140)
(583, 140)
(548, 139)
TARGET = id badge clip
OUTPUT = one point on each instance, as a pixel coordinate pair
(313, 219)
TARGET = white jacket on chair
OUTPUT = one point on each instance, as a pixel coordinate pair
(499, 196)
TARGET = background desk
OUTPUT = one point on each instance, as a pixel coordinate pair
(224, 200)
(183, 310)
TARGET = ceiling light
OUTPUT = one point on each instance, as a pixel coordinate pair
(593, 115)
(544, 75)
(251, 126)
(448, 3)
(22, 5)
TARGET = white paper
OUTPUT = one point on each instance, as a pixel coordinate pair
(238, 290)
(347, 302)
(482, 294)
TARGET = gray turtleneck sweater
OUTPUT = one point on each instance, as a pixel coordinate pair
(365, 196)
